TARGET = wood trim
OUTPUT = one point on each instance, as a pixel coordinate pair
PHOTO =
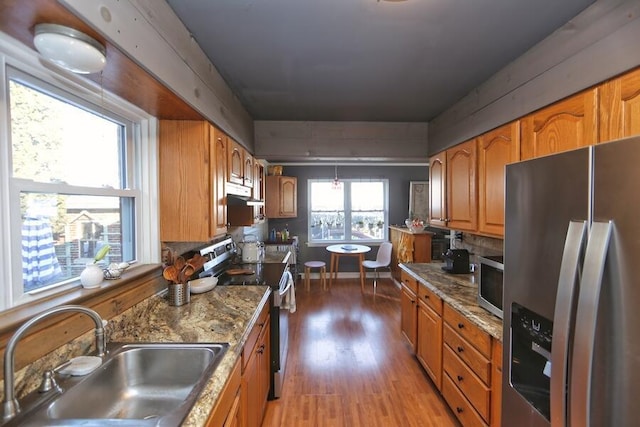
(111, 299)
(121, 76)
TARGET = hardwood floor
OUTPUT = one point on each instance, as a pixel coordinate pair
(348, 364)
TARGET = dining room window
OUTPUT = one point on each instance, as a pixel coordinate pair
(352, 210)
(72, 186)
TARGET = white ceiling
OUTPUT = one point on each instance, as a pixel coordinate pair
(364, 60)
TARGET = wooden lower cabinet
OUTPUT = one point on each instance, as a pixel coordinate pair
(464, 362)
(409, 309)
(429, 342)
(227, 413)
(256, 372)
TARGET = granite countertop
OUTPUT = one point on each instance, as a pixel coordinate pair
(460, 291)
(225, 314)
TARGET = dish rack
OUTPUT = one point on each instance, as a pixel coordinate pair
(291, 246)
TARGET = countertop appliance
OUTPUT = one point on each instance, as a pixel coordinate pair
(456, 261)
(225, 264)
(571, 319)
(491, 283)
(252, 249)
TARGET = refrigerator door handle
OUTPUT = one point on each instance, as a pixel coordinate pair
(567, 280)
(586, 317)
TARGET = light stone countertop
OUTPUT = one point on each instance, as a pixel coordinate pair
(460, 291)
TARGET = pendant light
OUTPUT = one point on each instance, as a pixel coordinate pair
(336, 184)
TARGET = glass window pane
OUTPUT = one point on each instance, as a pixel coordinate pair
(62, 233)
(367, 196)
(367, 225)
(56, 141)
(326, 198)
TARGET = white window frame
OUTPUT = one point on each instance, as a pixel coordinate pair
(348, 212)
(142, 156)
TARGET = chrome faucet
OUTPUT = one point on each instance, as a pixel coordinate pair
(10, 403)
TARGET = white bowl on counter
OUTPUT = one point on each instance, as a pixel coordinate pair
(205, 284)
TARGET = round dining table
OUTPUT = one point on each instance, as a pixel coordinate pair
(346, 249)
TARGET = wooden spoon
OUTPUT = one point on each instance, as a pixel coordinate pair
(170, 273)
(179, 263)
(186, 272)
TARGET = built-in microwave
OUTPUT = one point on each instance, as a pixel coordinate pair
(491, 283)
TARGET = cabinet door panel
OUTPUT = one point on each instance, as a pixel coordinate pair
(235, 162)
(563, 126)
(437, 190)
(461, 187)
(496, 149)
(429, 351)
(619, 107)
(219, 180)
(185, 191)
(408, 316)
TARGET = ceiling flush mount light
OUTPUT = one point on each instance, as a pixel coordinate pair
(69, 48)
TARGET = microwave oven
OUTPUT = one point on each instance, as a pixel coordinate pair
(490, 284)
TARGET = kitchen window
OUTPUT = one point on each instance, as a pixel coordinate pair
(72, 181)
(352, 211)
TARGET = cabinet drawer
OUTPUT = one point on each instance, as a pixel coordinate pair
(480, 340)
(460, 405)
(429, 298)
(479, 364)
(471, 386)
(409, 281)
(254, 335)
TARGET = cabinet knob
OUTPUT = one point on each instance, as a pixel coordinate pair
(460, 349)
(460, 378)
(460, 325)
(260, 349)
(426, 297)
(459, 409)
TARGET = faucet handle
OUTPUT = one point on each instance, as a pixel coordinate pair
(48, 382)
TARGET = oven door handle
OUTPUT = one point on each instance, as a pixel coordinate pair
(288, 280)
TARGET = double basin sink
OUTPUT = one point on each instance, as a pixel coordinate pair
(138, 384)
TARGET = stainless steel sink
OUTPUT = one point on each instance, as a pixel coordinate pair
(137, 384)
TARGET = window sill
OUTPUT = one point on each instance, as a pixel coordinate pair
(12, 318)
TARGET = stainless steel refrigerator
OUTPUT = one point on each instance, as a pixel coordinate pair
(572, 289)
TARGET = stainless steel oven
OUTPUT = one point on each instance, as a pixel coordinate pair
(491, 283)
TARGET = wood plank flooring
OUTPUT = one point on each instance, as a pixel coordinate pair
(348, 364)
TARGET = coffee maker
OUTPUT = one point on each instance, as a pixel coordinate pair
(456, 261)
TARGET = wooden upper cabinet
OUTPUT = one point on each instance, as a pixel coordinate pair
(563, 126)
(462, 205)
(185, 184)
(437, 189)
(619, 107)
(235, 162)
(281, 197)
(219, 162)
(496, 149)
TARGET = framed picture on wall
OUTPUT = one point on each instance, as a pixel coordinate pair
(419, 200)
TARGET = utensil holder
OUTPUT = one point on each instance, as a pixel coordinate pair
(179, 294)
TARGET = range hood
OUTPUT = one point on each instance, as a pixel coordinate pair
(239, 195)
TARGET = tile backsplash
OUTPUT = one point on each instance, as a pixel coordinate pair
(477, 245)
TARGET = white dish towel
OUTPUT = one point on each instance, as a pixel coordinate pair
(289, 302)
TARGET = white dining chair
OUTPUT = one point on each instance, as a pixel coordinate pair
(383, 260)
